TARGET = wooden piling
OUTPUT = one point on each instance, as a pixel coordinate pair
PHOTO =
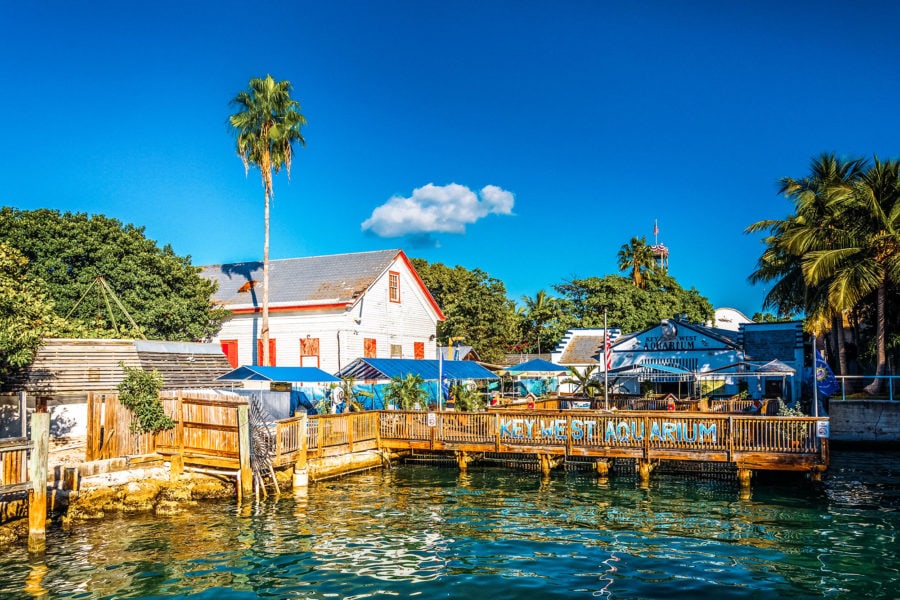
(37, 495)
(243, 412)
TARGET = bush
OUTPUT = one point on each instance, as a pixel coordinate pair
(139, 392)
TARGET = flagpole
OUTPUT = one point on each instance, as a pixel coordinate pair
(440, 381)
(606, 349)
(815, 381)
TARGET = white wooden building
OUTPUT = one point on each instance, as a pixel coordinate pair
(327, 311)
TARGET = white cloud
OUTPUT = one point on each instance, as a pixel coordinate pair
(437, 209)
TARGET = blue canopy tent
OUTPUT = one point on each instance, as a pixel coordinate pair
(537, 376)
(309, 386)
(386, 369)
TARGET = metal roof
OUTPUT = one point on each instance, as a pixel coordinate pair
(389, 368)
(291, 374)
(338, 278)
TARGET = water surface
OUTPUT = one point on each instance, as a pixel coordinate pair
(425, 531)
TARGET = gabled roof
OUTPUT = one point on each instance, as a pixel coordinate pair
(460, 352)
(388, 368)
(536, 365)
(583, 350)
(337, 280)
(286, 374)
(725, 336)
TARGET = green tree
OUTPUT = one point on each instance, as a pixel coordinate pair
(636, 257)
(541, 317)
(139, 392)
(466, 398)
(267, 125)
(26, 312)
(164, 293)
(406, 392)
(475, 305)
(629, 307)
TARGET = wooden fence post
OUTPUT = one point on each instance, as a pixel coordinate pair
(37, 495)
(23, 414)
(301, 472)
(244, 449)
(176, 462)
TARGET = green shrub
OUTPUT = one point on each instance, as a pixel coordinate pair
(139, 392)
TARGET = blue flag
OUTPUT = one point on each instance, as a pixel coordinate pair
(826, 382)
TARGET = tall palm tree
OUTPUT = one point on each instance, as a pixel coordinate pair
(267, 125)
(536, 308)
(866, 258)
(636, 257)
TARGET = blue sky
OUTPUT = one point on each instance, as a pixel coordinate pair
(528, 139)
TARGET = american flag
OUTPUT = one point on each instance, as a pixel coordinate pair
(607, 348)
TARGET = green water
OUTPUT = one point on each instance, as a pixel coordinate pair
(431, 532)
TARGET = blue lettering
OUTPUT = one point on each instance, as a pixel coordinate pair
(577, 430)
(685, 430)
(590, 428)
(610, 431)
(504, 428)
(634, 433)
(517, 428)
(560, 429)
(529, 427)
(546, 430)
(622, 432)
(654, 431)
(669, 431)
(707, 430)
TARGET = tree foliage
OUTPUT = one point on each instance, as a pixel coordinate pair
(163, 292)
(475, 305)
(628, 306)
(26, 311)
(139, 393)
(407, 393)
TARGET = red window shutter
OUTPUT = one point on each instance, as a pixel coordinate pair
(259, 352)
(230, 350)
(309, 352)
(369, 348)
(419, 350)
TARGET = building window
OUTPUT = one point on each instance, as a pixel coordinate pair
(309, 352)
(259, 352)
(230, 350)
(369, 348)
(394, 286)
(396, 351)
(419, 350)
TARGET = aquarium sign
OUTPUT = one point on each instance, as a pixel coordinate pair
(609, 431)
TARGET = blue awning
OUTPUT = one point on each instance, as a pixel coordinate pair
(389, 368)
(536, 365)
(285, 374)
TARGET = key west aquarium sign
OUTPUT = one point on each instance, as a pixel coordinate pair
(610, 431)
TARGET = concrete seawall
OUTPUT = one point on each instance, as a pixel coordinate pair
(872, 421)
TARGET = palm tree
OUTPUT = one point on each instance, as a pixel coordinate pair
(866, 257)
(636, 257)
(791, 241)
(267, 125)
(584, 382)
(535, 308)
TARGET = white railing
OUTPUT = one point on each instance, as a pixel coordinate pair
(893, 383)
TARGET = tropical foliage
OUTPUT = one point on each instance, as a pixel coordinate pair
(475, 305)
(266, 126)
(163, 292)
(585, 381)
(406, 393)
(466, 397)
(836, 258)
(636, 258)
(139, 392)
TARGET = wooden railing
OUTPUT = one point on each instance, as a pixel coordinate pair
(763, 442)
(334, 435)
(14, 465)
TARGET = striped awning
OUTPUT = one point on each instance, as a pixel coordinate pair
(389, 368)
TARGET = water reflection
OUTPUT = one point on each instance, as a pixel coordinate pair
(502, 534)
